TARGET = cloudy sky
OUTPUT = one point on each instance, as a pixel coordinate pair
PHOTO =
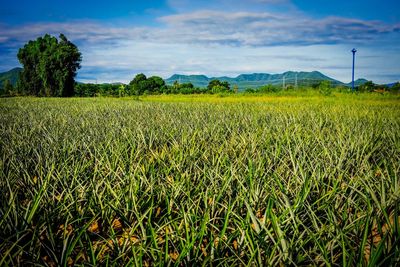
(119, 39)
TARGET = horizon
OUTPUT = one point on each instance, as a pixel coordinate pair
(213, 38)
(219, 77)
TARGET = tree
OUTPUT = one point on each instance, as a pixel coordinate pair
(50, 66)
(395, 87)
(121, 90)
(137, 85)
(325, 88)
(235, 88)
(367, 87)
(8, 88)
(269, 88)
(141, 84)
(176, 85)
(155, 84)
(216, 86)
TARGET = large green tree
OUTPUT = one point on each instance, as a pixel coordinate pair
(138, 84)
(50, 66)
(217, 86)
(141, 84)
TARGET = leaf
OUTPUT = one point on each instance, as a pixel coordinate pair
(254, 219)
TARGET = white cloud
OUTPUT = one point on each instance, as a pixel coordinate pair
(265, 28)
(217, 27)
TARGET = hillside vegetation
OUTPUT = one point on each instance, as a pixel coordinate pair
(168, 180)
(256, 80)
(11, 75)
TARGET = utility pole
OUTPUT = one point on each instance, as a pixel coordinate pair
(283, 81)
(352, 76)
(295, 82)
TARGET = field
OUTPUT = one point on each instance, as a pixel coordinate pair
(191, 180)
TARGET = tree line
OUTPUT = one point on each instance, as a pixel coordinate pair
(141, 85)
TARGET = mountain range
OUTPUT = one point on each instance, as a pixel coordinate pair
(256, 80)
(243, 81)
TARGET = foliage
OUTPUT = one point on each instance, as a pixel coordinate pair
(325, 88)
(119, 90)
(105, 89)
(315, 84)
(395, 87)
(268, 181)
(141, 84)
(8, 88)
(50, 66)
(265, 89)
(269, 89)
(153, 85)
(122, 90)
(11, 75)
(250, 90)
(183, 88)
(255, 80)
(236, 89)
(367, 87)
(217, 86)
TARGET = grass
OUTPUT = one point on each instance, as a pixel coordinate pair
(190, 180)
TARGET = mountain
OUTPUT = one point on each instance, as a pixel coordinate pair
(196, 80)
(11, 75)
(390, 85)
(255, 80)
(357, 82)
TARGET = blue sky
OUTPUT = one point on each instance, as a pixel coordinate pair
(119, 39)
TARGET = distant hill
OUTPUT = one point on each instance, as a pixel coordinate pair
(255, 80)
(11, 75)
(196, 80)
(357, 82)
(390, 85)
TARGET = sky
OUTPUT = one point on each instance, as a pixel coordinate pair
(119, 39)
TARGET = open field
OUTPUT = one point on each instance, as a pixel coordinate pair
(227, 180)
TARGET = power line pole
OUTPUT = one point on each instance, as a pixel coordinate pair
(283, 82)
(295, 83)
(352, 75)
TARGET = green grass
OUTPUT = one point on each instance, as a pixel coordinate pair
(190, 180)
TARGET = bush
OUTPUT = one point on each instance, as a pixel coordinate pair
(269, 88)
(325, 88)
